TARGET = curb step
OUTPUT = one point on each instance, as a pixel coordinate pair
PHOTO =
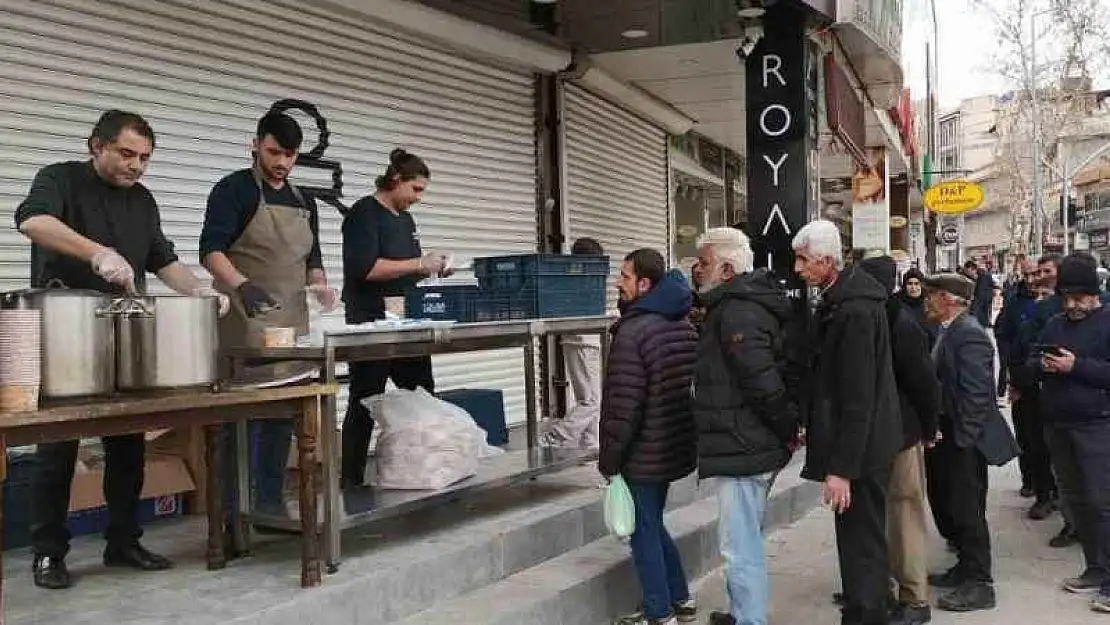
(595, 583)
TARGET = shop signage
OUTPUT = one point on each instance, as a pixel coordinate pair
(954, 198)
(950, 234)
(845, 112)
(777, 127)
(871, 203)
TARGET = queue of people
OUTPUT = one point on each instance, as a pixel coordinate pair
(894, 395)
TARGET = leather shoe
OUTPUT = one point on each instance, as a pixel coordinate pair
(1027, 492)
(968, 597)
(51, 573)
(721, 618)
(136, 557)
(951, 578)
(1066, 538)
(906, 614)
(1042, 509)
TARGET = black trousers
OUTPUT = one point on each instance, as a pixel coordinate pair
(123, 484)
(958, 495)
(368, 379)
(1035, 459)
(862, 551)
(1082, 456)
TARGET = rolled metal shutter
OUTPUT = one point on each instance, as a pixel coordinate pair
(203, 72)
(616, 177)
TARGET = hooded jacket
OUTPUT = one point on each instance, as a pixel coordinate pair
(744, 412)
(853, 420)
(647, 431)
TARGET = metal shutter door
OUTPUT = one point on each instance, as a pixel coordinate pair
(203, 72)
(616, 178)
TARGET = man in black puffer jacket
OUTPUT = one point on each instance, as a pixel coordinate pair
(919, 399)
(647, 432)
(745, 417)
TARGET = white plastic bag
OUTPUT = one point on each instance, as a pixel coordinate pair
(425, 443)
(620, 511)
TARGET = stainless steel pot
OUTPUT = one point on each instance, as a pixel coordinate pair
(78, 346)
(166, 341)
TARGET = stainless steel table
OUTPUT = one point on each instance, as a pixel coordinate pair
(356, 507)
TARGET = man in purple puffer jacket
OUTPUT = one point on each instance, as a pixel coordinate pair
(647, 431)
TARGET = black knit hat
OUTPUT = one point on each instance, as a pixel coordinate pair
(883, 269)
(1077, 275)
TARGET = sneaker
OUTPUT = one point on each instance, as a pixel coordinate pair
(1101, 603)
(968, 597)
(1089, 581)
(721, 618)
(1042, 509)
(638, 618)
(686, 611)
(908, 614)
(1066, 538)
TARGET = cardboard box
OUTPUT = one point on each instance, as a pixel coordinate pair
(164, 476)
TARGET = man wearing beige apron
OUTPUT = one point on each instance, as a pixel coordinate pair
(382, 259)
(260, 241)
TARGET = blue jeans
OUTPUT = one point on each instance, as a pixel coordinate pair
(269, 441)
(743, 502)
(653, 551)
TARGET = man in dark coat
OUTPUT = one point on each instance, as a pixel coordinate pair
(746, 418)
(1073, 362)
(647, 431)
(919, 399)
(973, 435)
(984, 293)
(1036, 467)
(854, 430)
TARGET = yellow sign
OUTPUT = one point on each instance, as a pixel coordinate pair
(954, 198)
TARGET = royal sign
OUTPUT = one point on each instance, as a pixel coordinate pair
(954, 198)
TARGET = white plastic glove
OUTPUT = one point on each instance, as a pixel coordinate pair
(108, 264)
(326, 295)
(223, 300)
(433, 264)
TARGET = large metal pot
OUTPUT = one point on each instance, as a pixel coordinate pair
(78, 347)
(166, 341)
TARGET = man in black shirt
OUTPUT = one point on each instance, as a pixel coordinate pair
(381, 260)
(95, 227)
(261, 243)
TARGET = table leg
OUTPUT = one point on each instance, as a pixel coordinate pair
(532, 424)
(214, 498)
(333, 508)
(307, 435)
(242, 528)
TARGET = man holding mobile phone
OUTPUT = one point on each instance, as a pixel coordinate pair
(1073, 363)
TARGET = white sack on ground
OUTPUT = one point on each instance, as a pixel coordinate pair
(425, 443)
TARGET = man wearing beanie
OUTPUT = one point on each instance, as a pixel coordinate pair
(1073, 363)
(919, 397)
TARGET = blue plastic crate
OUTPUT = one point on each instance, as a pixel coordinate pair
(441, 303)
(486, 407)
(512, 273)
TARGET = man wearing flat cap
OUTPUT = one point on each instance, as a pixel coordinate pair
(973, 434)
(1072, 361)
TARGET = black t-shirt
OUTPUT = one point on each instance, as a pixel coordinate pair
(232, 204)
(370, 232)
(125, 219)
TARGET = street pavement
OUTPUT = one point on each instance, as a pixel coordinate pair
(802, 564)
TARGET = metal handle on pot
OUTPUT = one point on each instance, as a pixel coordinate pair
(125, 307)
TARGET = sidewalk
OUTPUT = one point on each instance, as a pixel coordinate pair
(802, 562)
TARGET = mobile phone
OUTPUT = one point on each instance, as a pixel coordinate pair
(1052, 350)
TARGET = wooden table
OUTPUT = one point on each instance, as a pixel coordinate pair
(143, 412)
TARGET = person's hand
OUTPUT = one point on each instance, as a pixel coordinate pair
(325, 295)
(838, 493)
(432, 264)
(255, 299)
(115, 269)
(1064, 362)
(222, 300)
(932, 442)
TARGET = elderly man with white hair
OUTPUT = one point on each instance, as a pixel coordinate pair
(854, 427)
(747, 422)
